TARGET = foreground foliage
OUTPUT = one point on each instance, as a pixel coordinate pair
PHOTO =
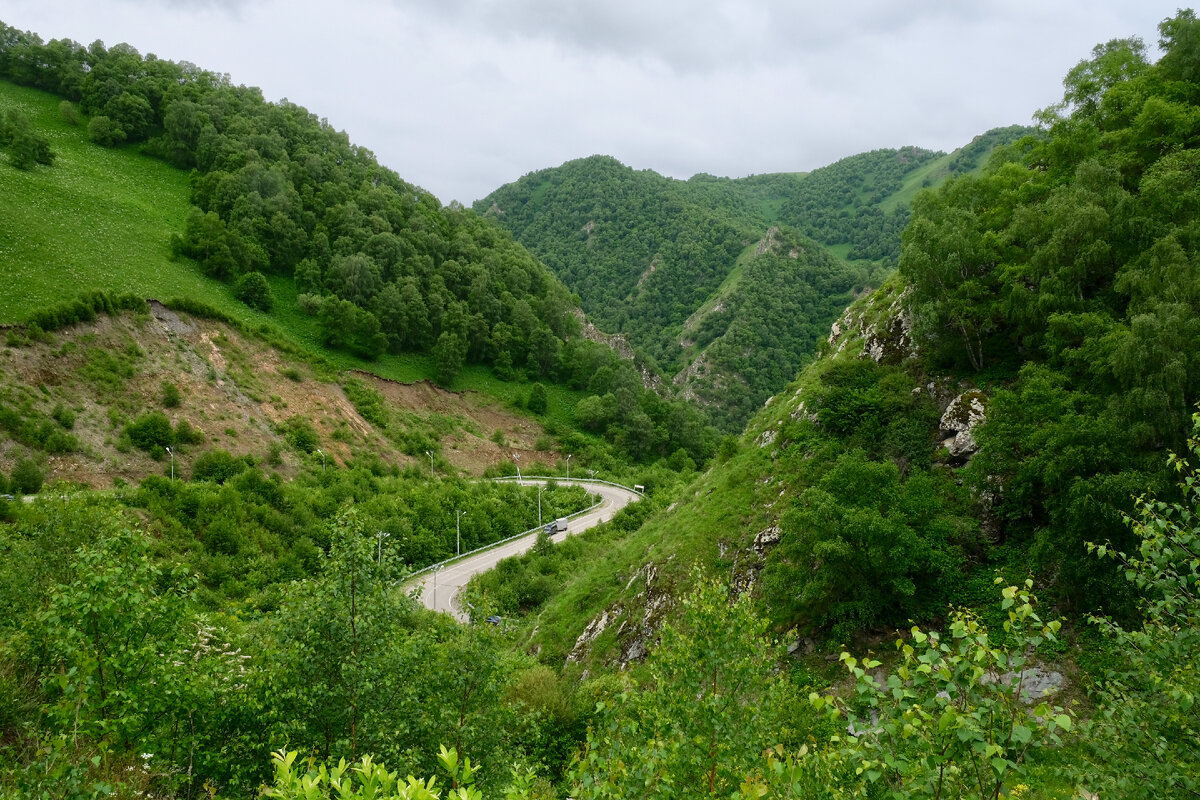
(1146, 735)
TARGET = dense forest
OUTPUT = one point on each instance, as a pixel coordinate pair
(677, 266)
(640, 249)
(839, 204)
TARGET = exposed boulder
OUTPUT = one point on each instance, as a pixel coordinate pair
(964, 414)
(1036, 683)
(748, 563)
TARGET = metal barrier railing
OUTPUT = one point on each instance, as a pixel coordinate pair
(515, 536)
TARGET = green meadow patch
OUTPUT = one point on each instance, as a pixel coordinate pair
(97, 219)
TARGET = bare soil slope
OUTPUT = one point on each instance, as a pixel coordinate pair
(237, 392)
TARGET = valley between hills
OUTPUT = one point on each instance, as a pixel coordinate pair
(915, 438)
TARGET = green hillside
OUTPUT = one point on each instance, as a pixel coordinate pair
(655, 259)
(263, 212)
(98, 218)
(957, 555)
(664, 261)
(1006, 405)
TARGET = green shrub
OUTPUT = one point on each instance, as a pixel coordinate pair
(151, 432)
(69, 113)
(537, 402)
(170, 395)
(186, 434)
(253, 290)
(64, 416)
(302, 435)
(27, 477)
(217, 466)
(103, 131)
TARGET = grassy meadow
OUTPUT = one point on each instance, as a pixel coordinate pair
(97, 219)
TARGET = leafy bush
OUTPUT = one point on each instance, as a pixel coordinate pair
(27, 477)
(104, 132)
(302, 435)
(1148, 703)
(186, 434)
(64, 416)
(151, 432)
(253, 290)
(170, 395)
(217, 466)
(537, 402)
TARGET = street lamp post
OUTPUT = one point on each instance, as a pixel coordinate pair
(458, 515)
(322, 452)
(569, 465)
(381, 536)
(171, 453)
(517, 461)
(430, 454)
(540, 490)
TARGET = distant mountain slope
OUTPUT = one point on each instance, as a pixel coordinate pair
(676, 265)
(673, 265)
(993, 408)
(762, 324)
(841, 204)
(642, 251)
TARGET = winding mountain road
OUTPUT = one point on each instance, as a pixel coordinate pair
(440, 587)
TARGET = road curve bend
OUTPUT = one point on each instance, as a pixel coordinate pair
(440, 588)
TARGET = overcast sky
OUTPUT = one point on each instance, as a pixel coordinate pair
(462, 96)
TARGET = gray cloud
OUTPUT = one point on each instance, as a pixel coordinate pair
(461, 96)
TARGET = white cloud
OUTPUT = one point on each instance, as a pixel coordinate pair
(461, 96)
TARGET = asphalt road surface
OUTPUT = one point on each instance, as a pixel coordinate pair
(439, 590)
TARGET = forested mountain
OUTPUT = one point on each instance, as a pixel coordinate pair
(1050, 306)
(839, 204)
(277, 193)
(691, 271)
(996, 408)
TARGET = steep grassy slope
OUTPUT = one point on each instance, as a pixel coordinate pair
(364, 263)
(98, 218)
